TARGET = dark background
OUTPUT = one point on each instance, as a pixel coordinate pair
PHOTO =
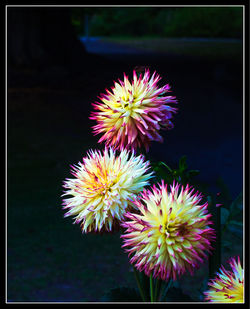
(59, 61)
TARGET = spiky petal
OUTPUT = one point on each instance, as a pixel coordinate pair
(171, 234)
(103, 186)
(228, 286)
(131, 115)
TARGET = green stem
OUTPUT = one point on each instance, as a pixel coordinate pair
(139, 285)
(151, 288)
(157, 288)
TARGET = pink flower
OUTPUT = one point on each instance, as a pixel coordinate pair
(170, 234)
(132, 114)
(228, 286)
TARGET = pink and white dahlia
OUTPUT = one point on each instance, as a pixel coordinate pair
(170, 234)
(228, 286)
(103, 187)
(131, 115)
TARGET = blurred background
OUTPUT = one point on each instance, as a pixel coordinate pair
(59, 60)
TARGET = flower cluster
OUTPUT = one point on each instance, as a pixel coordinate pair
(228, 286)
(167, 227)
(170, 234)
(133, 113)
(103, 187)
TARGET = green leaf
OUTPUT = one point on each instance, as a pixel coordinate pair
(237, 205)
(162, 171)
(209, 200)
(226, 244)
(122, 294)
(183, 163)
(175, 172)
(164, 164)
(224, 215)
(164, 289)
(240, 224)
(236, 230)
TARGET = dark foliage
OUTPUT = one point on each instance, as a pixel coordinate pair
(161, 21)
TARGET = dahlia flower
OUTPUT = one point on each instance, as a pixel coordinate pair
(133, 113)
(171, 234)
(228, 286)
(103, 187)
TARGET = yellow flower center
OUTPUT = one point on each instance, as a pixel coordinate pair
(127, 107)
(170, 227)
(105, 185)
